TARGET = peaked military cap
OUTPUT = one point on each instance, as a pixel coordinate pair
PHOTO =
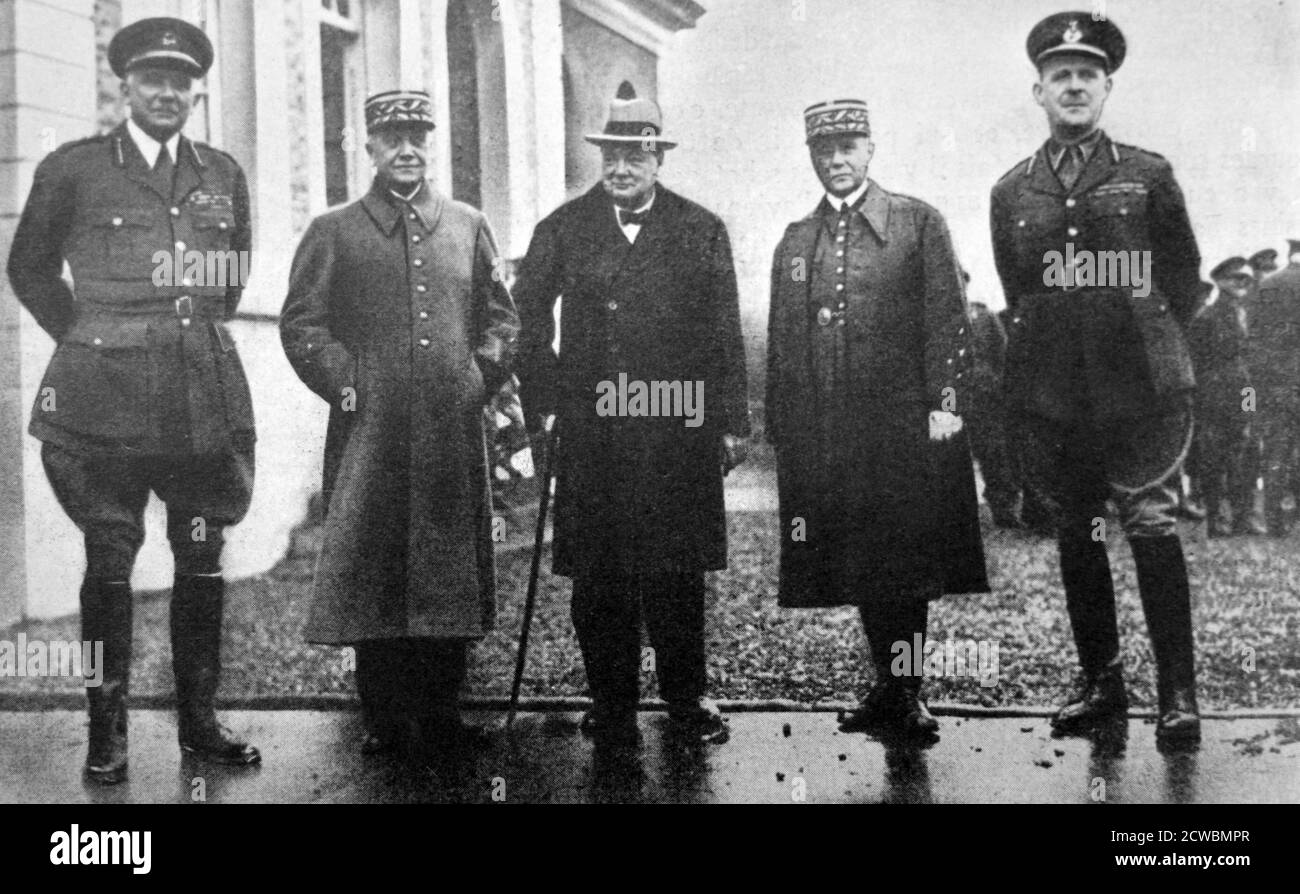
(162, 42)
(396, 107)
(1265, 258)
(835, 118)
(1077, 33)
(1232, 268)
(633, 120)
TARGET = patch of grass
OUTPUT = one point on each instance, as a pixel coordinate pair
(1246, 594)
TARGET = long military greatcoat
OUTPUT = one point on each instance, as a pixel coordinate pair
(144, 364)
(398, 317)
(868, 502)
(1096, 354)
(634, 493)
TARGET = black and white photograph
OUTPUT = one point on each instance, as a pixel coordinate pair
(650, 402)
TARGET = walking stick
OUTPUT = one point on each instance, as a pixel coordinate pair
(544, 503)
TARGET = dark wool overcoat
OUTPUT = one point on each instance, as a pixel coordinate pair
(636, 493)
(868, 502)
(397, 316)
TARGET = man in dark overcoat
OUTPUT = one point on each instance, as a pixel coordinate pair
(1217, 338)
(1100, 269)
(986, 416)
(145, 391)
(1275, 334)
(397, 316)
(649, 306)
(869, 359)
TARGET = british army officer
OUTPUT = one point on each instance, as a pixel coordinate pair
(1100, 372)
(145, 391)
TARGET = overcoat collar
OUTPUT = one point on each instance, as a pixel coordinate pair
(386, 210)
(874, 210)
(190, 164)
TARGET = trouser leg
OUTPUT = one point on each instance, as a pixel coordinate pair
(674, 613)
(606, 618)
(379, 671)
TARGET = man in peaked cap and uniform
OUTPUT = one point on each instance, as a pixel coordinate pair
(1263, 263)
(1275, 332)
(1102, 373)
(398, 317)
(1217, 339)
(649, 298)
(145, 390)
(869, 359)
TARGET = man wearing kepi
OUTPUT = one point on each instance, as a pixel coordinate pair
(869, 358)
(1098, 363)
(649, 391)
(145, 390)
(397, 317)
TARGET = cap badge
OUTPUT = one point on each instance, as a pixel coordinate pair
(1073, 34)
(169, 39)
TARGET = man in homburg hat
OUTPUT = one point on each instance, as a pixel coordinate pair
(1275, 332)
(649, 392)
(868, 372)
(145, 391)
(398, 317)
(1217, 337)
(1099, 366)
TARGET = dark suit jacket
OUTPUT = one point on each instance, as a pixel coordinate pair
(130, 372)
(634, 493)
(1096, 353)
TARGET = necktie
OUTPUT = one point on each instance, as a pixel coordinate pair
(632, 218)
(1071, 166)
(164, 170)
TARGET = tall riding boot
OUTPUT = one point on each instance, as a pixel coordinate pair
(1167, 603)
(1099, 694)
(196, 661)
(106, 618)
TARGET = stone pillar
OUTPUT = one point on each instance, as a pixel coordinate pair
(47, 97)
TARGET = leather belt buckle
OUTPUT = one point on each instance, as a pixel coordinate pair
(185, 306)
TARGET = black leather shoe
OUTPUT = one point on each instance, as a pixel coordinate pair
(879, 711)
(611, 733)
(215, 743)
(1180, 720)
(1095, 699)
(916, 722)
(700, 721)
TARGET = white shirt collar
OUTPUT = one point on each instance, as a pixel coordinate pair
(411, 198)
(851, 199)
(632, 230)
(148, 146)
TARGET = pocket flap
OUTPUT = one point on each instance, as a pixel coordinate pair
(213, 219)
(109, 334)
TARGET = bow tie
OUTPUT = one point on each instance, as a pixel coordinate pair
(632, 218)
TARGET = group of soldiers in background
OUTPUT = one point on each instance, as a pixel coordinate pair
(1245, 343)
(1245, 340)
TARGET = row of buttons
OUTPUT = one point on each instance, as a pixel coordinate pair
(420, 287)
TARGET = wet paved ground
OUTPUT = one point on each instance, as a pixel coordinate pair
(312, 756)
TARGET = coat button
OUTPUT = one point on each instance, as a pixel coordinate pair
(1073, 231)
(421, 288)
(185, 322)
(1123, 212)
(117, 221)
(411, 215)
(99, 341)
(839, 269)
(839, 254)
(1070, 203)
(613, 305)
(839, 322)
(180, 246)
(1021, 223)
(415, 238)
(424, 342)
(424, 315)
(418, 262)
(222, 225)
(175, 212)
(839, 287)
